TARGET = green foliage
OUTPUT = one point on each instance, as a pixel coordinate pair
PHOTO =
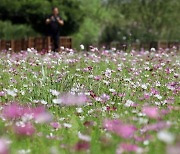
(11, 31)
(144, 20)
(91, 28)
(87, 34)
(100, 21)
(34, 13)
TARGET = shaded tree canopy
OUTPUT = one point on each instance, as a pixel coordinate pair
(145, 20)
(34, 13)
(95, 21)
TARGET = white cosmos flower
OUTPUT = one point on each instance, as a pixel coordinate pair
(43, 102)
(11, 92)
(67, 125)
(112, 90)
(87, 93)
(129, 103)
(98, 99)
(106, 82)
(23, 151)
(84, 137)
(158, 84)
(142, 121)
(57, 101)
(153, 49)
(62, 48)
(54, 92)
(157, 103)
(82, 47)
(170, 87)
(81, 118)
(113, 49)
(146, 142)
(158, 96)
(29, 50)
(144, 86)
(166, 136)
(90, 76)
(79, 110)
(27, 117)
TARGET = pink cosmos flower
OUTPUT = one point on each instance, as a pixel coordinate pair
(142, 138)
(121, 129)
(43, 117)
(170, 100)
(155, 127)
(15, 111)
(113, 108)
(4, 147)
(151, 112)
(92, 94)
(12, 111)
(119, 69)
(104, 98)
(146, 96)
(88, 123)
(55, 125)
(70, 99)
(2, 93)
(97, 78)
(164, 111)
(154, 91)
(173, 149)
(87, 69)
(82, 145)
(38, 110)
(130, 103)
(167, 70)
(126, 147)
(25, 130)
(121, 94)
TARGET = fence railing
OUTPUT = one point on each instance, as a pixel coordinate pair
(45, 43)
(39, 43)
(138, 46)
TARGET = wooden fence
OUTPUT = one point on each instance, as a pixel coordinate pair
(39, 43)
(138, 46)
(45, 43)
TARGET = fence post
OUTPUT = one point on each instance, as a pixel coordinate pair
(66, 42)
(153, 44)
(49, 43)
(145, 46)
(38, 43)
(0, 46)
(70, 42)
(24, 44)
(30, 42)
(12, 45)
(135, 46)
(3, 45)
(162, 45)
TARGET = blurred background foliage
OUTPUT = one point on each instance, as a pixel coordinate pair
(94, 21)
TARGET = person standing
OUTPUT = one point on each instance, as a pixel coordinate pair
(55, 21)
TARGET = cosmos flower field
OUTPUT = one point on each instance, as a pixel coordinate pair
(101, 101)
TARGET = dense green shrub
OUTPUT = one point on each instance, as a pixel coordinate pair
(17, 31)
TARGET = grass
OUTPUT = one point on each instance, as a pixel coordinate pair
(33, 75)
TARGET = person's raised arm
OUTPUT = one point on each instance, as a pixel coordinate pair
(48, 21)
(60, 21)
